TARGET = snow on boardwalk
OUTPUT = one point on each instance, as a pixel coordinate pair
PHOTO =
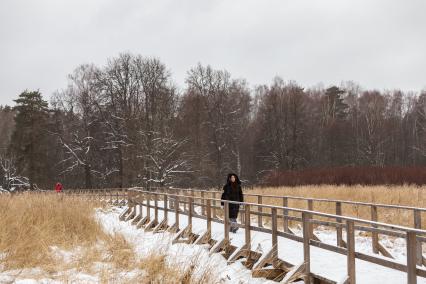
(323, 262)
(147, 242)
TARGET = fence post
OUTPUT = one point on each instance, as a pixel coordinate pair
(285, 214)
(274, 233)
(192, 204)
(411, 258)
(214, 204)
(203, 202)
(156, 207)
(247, 226)
(190, 212)
(306, 247)
(226, 219)
(374, 235)
(311, 226)
(418, 225)
(339, 220)
(260, 210)
(148, 206)
(166, 210)
(350, 241)
(177, 212)
(209, 215)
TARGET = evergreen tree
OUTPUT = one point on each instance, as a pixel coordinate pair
(29, 139)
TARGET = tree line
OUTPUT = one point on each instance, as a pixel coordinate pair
(128, 124)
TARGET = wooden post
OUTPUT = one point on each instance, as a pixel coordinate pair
(192, 204)
(311, 226)
(226, 220)
(260, 210)
(203, 207)
(214, 204)
(166, 210)
(374, 235)
(177, 212)
(285, 214)
(209, 215)
(274, 233)
(190, 212)
(306, 247)
(418, 225)
(156, 207)
(148, 206)
(350, 241)
(411, 258)
(247, 226)
(339, 220)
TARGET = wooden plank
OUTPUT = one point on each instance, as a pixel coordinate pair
(411, 258)
(350, 241)
(296, 272)
(374, 235)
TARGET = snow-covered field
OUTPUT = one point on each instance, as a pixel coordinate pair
(325, 263)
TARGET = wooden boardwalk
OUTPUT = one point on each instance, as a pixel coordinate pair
(205, 205)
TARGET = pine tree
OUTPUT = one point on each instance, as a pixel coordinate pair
(28, 141)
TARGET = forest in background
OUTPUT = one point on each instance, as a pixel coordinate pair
(128, 124)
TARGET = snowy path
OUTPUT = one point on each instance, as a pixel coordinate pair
(323, 262)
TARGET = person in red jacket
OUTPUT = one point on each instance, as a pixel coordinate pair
(58, 187)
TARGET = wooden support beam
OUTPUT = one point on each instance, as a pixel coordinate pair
(296, 272)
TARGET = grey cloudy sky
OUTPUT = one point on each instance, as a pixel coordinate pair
(377, 43)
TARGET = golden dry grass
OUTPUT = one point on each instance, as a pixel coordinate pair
(34, 227)
(31, 224)
(395, 195)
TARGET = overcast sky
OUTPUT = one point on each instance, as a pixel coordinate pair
(377, 43)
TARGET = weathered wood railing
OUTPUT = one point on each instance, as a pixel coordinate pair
(183, 204)
(377, 247)
(207, 202)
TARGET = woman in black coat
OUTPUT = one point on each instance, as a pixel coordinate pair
(232, 191)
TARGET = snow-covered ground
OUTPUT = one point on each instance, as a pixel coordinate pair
(325, 263)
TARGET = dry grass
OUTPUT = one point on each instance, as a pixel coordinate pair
(31, 224)
(35, 229)
(396, 195)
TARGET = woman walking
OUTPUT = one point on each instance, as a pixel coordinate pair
(232, 191)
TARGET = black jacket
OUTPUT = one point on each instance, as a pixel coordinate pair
(231, 194)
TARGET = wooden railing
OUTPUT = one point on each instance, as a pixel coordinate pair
(179, 201)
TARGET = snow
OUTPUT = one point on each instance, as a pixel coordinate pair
(323, 262)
